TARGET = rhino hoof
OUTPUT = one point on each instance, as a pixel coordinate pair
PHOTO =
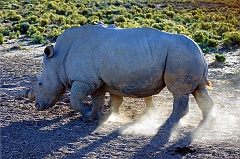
(86, 112)
(207, 123)
(98, 119)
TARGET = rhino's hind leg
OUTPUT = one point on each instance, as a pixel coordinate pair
(114, 103)
(180, 108)
(150, 106)
(204, 102)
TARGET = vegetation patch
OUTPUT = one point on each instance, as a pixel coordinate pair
(219, 58)
(212, 24)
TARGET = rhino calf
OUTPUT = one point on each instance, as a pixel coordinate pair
(140, 62)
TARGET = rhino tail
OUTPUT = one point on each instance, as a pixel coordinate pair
(208, 83)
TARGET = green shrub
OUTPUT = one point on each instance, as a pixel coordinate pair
(41, 29)
(149, 15)
(12, 35)
(1, 5)
(32, 19)
(55, 33)
(219, 58)
(120, 18)
(61, 19)
(212, 43)
(170, 13)
(199, 36)
(37, 38)
(232, 38)
(22, 27)
(6, 31)
(32, 30)
(93, 19)
(82, 20)
(15, 17)
(209, 26)
(1, 38)
(158, 26)
(158, 19)
(18, 33)
(206, 26)
(43, 22)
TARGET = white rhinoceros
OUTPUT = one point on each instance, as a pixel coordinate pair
(140, 62)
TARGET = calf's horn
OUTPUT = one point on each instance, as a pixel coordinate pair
(27, 93)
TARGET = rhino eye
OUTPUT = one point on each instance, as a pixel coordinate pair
(39, 84)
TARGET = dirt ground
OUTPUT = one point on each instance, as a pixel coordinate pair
(59, 132)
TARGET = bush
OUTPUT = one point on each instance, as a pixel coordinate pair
(43, 22)
(82, 20)
(1, 38)
(37, 38)
(202, 24)
(120, 18)
(199, 36)
(232, 38)
(149, 16)
(32, 19)
(32, 30)
(212, 43)
(15, 17)
(219, 58)
(55, 33)
(6, 31)
(158, 26)
(206, 26)
(22, 27)
(93, 19)
(12, 35)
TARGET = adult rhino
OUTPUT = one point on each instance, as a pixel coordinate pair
(140, 62)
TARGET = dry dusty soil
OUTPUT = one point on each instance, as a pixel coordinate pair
(59, 132)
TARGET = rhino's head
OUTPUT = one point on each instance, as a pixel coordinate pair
(48, 88)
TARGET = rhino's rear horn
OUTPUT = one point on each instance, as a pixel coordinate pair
(27, 93)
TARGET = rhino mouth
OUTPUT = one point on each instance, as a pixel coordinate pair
(42, 106)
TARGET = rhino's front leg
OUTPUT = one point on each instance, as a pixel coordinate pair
(98, 115)
(79, 91)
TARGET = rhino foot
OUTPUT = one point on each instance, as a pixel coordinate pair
(86, 112)
(207, 123)
(99, 117)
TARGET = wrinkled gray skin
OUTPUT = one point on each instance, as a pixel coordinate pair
(116, 101)
(140, 62)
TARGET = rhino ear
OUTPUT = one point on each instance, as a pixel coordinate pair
(49, 51)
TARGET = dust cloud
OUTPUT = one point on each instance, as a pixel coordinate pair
(226, 126)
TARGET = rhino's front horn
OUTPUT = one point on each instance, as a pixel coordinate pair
(27, 93)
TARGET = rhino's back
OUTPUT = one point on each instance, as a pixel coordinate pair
(132, 61)
(128, 61)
